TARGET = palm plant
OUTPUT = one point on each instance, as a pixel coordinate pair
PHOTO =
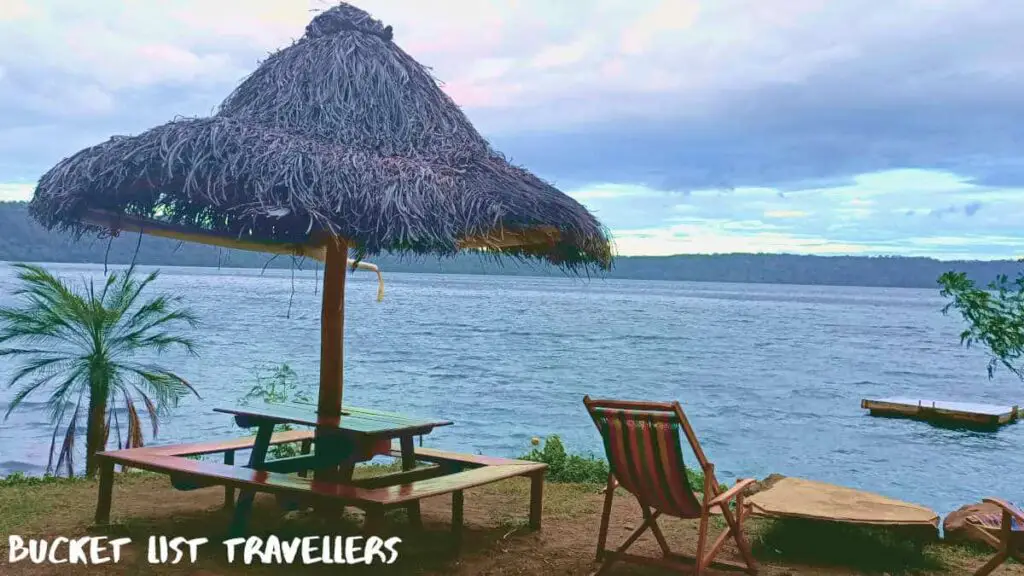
(84, 347)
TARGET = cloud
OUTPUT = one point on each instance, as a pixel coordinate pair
(15, 192)
(896, 212)
(824, 118)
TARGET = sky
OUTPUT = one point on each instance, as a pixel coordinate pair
(685, 126)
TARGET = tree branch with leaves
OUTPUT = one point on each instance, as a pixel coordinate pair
(994, 317)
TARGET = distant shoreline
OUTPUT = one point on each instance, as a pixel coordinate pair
(306, 269)
(23, 240)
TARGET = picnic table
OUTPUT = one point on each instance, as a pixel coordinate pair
(330, 451)
(356, 435)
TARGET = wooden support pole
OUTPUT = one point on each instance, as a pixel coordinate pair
(332, 348)
(332, 330)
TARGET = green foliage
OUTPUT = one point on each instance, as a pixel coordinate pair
(563, 467)
(278, 388)
(81, 345)
(994, 317)
(588, 469)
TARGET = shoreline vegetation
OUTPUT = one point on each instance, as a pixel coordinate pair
(565, 545)
(23, 240)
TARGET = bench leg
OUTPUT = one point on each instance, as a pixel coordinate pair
(457, 520)
(345, 472)
(229, 491)
(307, 446)
(536, 498)
(374, 521)
(408, 463)
(106, 492)
(243, 508)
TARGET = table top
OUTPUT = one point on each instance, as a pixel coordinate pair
(354, 420)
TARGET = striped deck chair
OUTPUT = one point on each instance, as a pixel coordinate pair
(642, 443)
(1009, 521)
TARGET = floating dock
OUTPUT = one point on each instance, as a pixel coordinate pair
(947, 413)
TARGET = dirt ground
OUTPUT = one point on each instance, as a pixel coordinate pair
(496, 542)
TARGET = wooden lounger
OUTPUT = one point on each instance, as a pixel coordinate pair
(373, 495)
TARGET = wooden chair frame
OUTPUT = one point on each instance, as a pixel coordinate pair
(1006, 543)
(713, 497)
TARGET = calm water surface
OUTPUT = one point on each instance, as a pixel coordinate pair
(771, 376)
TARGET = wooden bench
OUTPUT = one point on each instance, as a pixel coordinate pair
(453, 474)
(228, 448)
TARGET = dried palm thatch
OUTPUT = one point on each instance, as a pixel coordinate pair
(342, 132)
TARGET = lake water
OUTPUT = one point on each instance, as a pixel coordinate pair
(771, 376)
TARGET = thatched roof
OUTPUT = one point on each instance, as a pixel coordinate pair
(341, 132)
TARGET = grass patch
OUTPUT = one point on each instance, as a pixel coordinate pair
(497, 539)
(19, 479)
(868, 550)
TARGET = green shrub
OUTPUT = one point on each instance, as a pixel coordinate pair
(278, 388)
(563, 467)
(589, 469)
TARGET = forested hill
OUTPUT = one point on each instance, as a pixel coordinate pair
(22, 240)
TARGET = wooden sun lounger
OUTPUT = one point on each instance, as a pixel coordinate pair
(453, 474)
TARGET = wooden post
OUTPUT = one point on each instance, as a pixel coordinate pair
(332, 335)
(537, 498)
(106, 492)
(332, 329)
(457, 520)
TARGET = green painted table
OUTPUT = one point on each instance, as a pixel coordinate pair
(340, 442)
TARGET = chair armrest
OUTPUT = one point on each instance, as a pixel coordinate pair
(1013, 510)
(731, 493)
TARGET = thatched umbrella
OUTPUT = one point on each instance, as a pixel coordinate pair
(340, 141)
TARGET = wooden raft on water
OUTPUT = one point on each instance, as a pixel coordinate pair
(950, 413)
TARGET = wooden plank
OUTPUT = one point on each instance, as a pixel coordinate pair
(400, 477)
(349, 421)
(443, 484)
(234, 476)
(953, 412)
(308, 412)
(301, 463)
(263, 481)
(475, 460)
(393, 416)
(217, 446)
